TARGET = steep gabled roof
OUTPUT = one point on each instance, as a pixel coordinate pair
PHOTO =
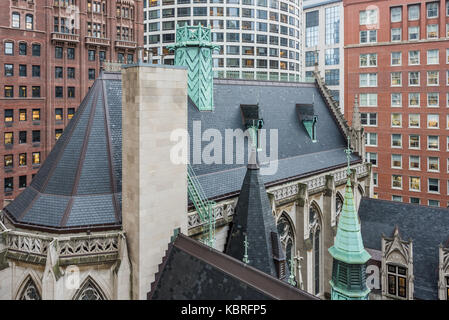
(428, 227)
(79, 184)
(193, 271)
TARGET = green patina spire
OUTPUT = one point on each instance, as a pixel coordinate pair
(350, 257)
(193, 49)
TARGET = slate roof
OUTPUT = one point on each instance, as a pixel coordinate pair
(298, 155)
(253, 218)
(79, 184)
(193, 271)
(428, 227)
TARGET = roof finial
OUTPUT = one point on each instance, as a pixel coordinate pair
(245, 243)
(291, 279)
(348, 152)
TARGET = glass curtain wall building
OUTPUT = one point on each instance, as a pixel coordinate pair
(257, 39)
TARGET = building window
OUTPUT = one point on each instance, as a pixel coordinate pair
(36, 158)
(8, 160)
(368, 17)
(29, 22)
(59, 92)
(368, 60)
(9, 70)
(9, 115)
(22, 182)
(414, 100)
(413, 78)
(372, 157)
(413, 58)
(332, 77)
(396, 58)
(36, 71)
(22, 48)
(22, 70)
(22, 159)
(432, 56)
(434, 203)
(415, 184)
(70, 73)
(396, 140)
(311, 58)
(396, 161)
(9, 92)
(368, 99)
(15, 20)
(432, 9)
(36, 114)
(396, 100)
(332, 56)
(9, 48)
(396, 34)
(91, 55)
(396, 181)
(71, 92)
(70, 113)
(432, 31)
(22, 115)
(70, 53)
(413, 33)
(312, 29)
(36, 91)
(58, 52)
(368, 80)
(433, 78)
(415, 200)
(58, 73)
(368, 36)
(22, 91)
(413, 12)
(371, 139)
(433, 143)
(433, 99)
(369, 119)
(332, 25)
(58, 133)
(59, 114)
(413, 141)
(36, 50)
(413, 120)
(433, 164)
(396, 14)
(396, 120)
(415, 163)
(433, 121)
(434, 185)
(397, 281)
(22, 137)
(36, 136)
(8, 138)
(396, 79)
(375, 179)
(9, 184)
(396, 198)
(91, 74)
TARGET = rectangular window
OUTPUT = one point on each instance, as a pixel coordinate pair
(9, 48)
(22, 70)
(396, 100)
(371, 139)
(396, 120)
(91, 74)
(433, 143)
(9, 115)
(433, 78)
(396, 79)
(9, 91)
(414, 100)
(59, 114)
(71, 53)
(413, 140)
(396, 14)
(9, 70)
(22, 115)
(433, 164)
(415, 184)
(36, 136)
(36, 50)
(432, 31)
(70, 113)
(368, 99)
(36, 71)
(433, 121)
(414, 163)
(433, 203)
(36, 158)
(9, 184)
(8, 160)
(396, 181)
(71, 92)
(59, 72)
(396, 161)
(413, 120)
(413, 33)
(58, 52)
(396, 34)
(36, 114)
(8, 138)
(432, 56)
(22, 159)
(413, 58)
(36, 91)
(369, 119)
(432, 9)
(396, 58)
(59, 92)
(368, 60)
(433, 99)
(58, 133)
(396, 140)
(23, 92)
(397, 280)
(368, 36)
(372, 157)
(434, 185)
(368, 80)
(70, 73)
(413, 78)
(22, 182)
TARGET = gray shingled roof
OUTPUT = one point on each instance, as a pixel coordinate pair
(428, 227)
(253, 218)
(298, 155)
(193, 271)
(79, 184)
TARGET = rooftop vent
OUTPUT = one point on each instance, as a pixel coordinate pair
(251, 120)
(306, 115)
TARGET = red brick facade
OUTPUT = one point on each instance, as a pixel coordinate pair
(50, 54)
(397, 107)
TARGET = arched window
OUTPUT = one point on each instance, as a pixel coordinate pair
(287, 237)
(15, 20)
(30, 291)
(315, 236)
(29, 23)
(89, 291)
(338, 205)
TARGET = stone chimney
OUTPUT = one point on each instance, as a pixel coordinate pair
(193, 49)
(154, 188)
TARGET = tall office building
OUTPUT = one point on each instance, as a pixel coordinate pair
(396, 63)
(50, 53)
(257, 39)
(323, 43)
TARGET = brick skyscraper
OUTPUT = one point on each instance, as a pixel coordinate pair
(50, 53)
(396, 61)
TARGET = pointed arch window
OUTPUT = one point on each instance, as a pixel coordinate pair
(286, 235)
(30, 291)
(89, 291)
(338, 204)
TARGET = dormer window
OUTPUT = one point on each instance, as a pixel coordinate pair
(308, 119)
(397, 281)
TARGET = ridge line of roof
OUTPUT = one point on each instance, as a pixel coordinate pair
(424, 206)
(81, 158)
(250, 82)
(109, 148)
